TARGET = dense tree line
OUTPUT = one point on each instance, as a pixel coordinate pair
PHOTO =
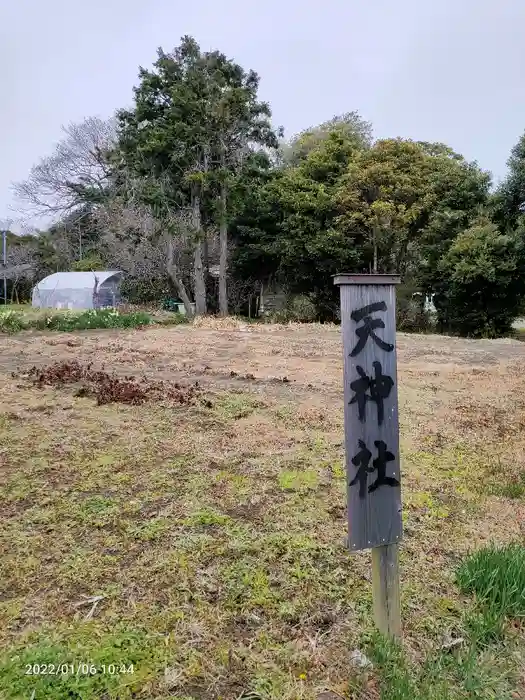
(192, 179)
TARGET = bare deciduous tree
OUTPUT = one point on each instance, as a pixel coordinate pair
(64, 247)
(57, 184)
(143, 242)
(241, 292)
(20, 265)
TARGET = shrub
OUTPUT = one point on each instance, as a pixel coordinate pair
(304, 309)
(174, 320)
(11, 322)
(411, 317)
(93, 318)
(139, 290)
(299, 309)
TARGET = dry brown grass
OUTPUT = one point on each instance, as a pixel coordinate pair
(216, 533)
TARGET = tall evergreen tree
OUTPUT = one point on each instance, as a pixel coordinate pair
(196, 118)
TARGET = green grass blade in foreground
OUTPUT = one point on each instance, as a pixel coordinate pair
(444, 674)
(497, 577)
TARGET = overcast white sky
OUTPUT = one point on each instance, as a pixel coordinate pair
(447, 70)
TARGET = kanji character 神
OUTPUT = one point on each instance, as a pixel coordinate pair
(379, 386)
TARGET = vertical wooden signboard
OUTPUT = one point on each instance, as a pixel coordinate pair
(368, 323)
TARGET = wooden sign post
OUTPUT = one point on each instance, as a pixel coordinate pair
(368, 323)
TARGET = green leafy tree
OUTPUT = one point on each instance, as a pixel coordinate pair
(349, 126)
(383, 199)
(395, 206)
(482, 280)
(509, 199)
(286, 228)
(460, 194)
(89, 263)
(402, 202)
(255, 228)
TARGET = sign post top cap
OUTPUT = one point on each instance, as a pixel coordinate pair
(366, 279)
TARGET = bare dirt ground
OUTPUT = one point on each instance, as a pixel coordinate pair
(267, 352)
(215, 532)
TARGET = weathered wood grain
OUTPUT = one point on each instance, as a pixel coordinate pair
(374, 517)
(385, 589)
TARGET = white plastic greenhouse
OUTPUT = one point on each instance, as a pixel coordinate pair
(78, 290)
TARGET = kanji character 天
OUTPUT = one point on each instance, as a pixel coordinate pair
(367, 330)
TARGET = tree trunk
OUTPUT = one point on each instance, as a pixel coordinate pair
(95, 292)
(261, 300)
(206, 259)
(200, 284)
(401, 258)
(223, 257)
(198, 268)
(205, 244)
(174, 275)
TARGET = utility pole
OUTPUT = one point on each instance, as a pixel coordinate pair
(4, 247)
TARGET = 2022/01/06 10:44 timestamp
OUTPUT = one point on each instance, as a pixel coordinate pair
(77, 669)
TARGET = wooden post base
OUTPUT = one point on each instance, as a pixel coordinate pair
(385, 588)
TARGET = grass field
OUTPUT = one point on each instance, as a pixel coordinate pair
(200, 535)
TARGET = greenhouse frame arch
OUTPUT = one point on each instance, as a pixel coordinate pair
(78, 290)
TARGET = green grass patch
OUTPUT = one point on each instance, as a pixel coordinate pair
(206, 518)
(484, 627)
(94, 663)
(150, 530)
(235, 406)
(513, 489)
(294, 480)
(496, 575)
